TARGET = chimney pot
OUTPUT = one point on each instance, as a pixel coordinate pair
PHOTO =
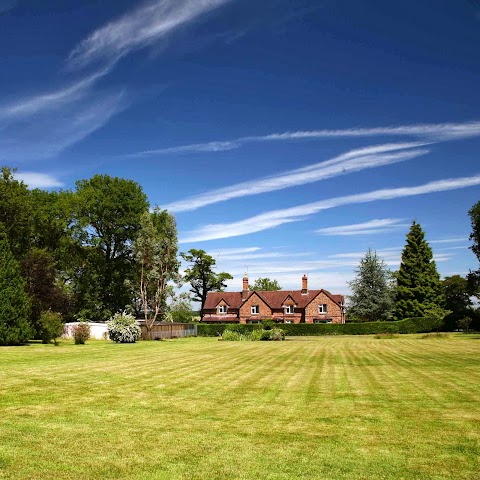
(304, 284)
(245, 287)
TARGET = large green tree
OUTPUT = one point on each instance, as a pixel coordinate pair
(474, 276)
(418, 282)
(457, 300)
(156, 253)
(181, 309)
(14, 303)
(107, 212)
(372, 290)
(15, 212)
(265, 284)
(201, 276)
(45, 290)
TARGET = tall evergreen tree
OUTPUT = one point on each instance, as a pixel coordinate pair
(14, 302)
(418, 282)
(372, 290)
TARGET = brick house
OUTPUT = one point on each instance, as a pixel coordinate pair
(283, 306)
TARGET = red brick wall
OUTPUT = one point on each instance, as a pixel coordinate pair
(334, 312)
(245, 309)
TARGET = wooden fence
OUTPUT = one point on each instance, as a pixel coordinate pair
(162, 330)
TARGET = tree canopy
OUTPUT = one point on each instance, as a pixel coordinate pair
(201, 276)
(418, 282)
(457, 300)
(474, 276)
(265, 284)
(107, 213)
(14, 303)
(156, 252)
(15, 212)
(372, 290)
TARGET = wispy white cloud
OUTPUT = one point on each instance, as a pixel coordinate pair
(373, 226)
(223, 252)
(449, 240)
(275, 218)
(431, 132)
(137, 29)
(44, 124)
(51, 101)
(46, 133)
(39, 180)
(349, 162)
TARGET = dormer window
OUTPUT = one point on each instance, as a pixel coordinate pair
(322, 308)
(289, 309)
(254, 309)
(222, 309)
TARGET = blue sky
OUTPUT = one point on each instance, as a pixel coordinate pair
(287, 137)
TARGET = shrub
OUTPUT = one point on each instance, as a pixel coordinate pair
(268, 324)
(409, 325)
(233, 336)
(464, 324)
(435, 335)
(81, 333)
(51, 326)
(253, 334)
(436, 315)
(277, 334)
(123, 328)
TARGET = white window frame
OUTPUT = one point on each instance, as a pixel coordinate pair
(289, 309)
(222, 309)
(255, 309)
(322, 308)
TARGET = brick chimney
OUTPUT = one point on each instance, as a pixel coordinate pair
(245, 287)
(304, 285)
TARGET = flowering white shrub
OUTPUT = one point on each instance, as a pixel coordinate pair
(123, 328)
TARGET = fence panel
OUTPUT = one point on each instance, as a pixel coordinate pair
(161, 330)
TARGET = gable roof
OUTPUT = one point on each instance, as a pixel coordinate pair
(274, 299)
(232, 299)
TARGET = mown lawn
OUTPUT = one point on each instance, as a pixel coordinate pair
(308, 408)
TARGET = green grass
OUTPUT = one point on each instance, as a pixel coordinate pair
(308, 408)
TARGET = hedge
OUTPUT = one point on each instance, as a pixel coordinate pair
(409, 325)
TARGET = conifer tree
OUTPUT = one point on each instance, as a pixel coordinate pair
(372, 290)
(418, 282)
(14, 302)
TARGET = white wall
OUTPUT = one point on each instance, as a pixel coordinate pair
(97, 330)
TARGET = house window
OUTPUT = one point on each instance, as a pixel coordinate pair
(254, 309)
(322, 308)
(222, 309)
(289, 309)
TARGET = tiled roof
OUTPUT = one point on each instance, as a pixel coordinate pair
(232, 299)
(273, 299)
(338, 298)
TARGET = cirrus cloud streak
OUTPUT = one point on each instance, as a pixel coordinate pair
(349, 162)
(276, 218)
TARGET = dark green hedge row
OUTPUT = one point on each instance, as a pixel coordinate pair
(410, 325)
